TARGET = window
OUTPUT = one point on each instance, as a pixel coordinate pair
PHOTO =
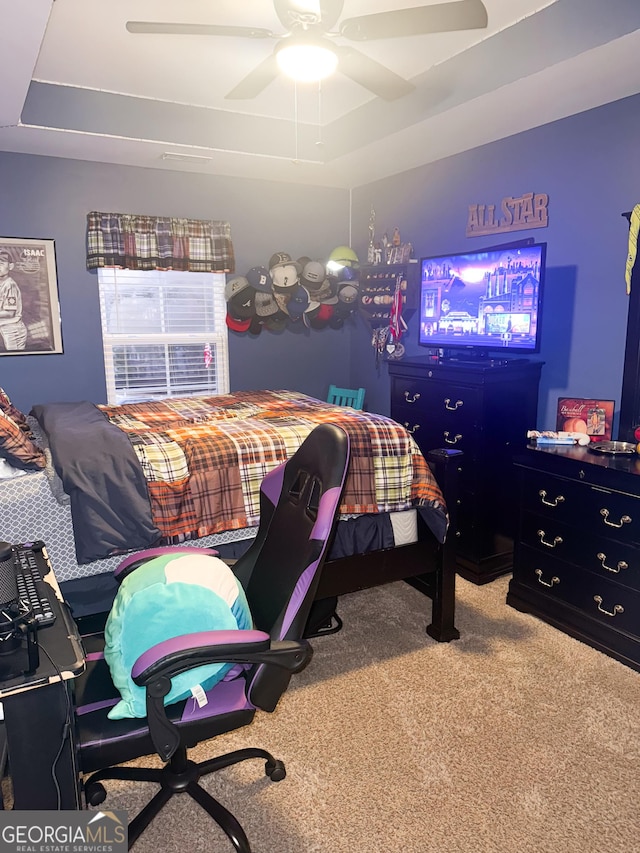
(164, 334)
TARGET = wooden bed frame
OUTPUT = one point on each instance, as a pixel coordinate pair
(425, 564)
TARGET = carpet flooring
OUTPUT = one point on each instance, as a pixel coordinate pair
(513, 739)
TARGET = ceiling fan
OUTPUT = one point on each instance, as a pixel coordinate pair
(310, 22)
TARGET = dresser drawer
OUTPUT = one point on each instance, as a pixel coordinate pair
(427, 391)
(604, 556)
(591, 508)
(601, 599)
(438, 430)
(434, 397)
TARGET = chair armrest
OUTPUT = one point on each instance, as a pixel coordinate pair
(155, 668)
(172, 657)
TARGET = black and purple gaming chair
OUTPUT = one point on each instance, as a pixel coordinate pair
(298, 505)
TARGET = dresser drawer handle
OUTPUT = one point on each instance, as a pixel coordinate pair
(554, 502)
(557, 540)
(453, 440)
(554, 579)
(621, 565)
(411, 429)
(605, 517)
(456, 405)
(617, 608)
(411, 399)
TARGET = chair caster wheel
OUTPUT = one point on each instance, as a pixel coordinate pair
(275, 770)
(95, 793)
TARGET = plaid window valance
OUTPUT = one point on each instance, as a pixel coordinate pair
(136, 242)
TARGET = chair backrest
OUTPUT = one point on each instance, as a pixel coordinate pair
(299, 501)
(346, 396)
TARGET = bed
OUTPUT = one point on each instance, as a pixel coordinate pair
(124, 478)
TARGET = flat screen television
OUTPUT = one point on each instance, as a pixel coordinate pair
(488, 299)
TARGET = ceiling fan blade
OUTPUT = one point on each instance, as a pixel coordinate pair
(422, 20)
(371, 74)
(151, 27)
(256, 81)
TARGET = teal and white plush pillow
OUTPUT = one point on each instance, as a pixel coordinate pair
(167, 597)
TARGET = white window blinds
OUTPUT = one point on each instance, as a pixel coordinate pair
(164, 334)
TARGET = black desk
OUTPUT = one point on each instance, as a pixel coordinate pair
(39, 718)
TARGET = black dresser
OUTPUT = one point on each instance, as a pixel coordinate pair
(483, 408)
(577, 555)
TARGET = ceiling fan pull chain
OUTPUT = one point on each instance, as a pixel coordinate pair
(295, 118)
(319, 143)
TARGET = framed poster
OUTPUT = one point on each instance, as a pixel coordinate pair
(29, 307)
(581, 414)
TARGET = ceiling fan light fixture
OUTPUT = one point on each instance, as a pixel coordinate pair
(307, 62)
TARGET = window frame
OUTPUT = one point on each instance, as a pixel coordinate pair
(216, 337)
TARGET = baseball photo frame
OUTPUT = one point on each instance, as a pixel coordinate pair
(30, 322)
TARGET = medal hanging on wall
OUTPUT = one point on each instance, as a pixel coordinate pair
(397, 326)
(379, 341)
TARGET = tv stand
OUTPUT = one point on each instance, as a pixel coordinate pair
(484, 408)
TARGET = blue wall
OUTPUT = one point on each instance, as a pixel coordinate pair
(50, 198)
(588, 165)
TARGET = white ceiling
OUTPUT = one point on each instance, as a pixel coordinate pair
(76, 83)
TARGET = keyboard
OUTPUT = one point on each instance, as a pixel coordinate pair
(31, 565)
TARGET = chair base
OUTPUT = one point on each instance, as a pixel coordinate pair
(323, 618)
(181, 776)
(332, 625)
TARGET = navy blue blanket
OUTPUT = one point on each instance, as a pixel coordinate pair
(103, 478)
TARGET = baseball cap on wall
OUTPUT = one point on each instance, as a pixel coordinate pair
(266, 304)
(260, 279)
(327, 292)
(342, 256)
(277, 322)
(237, 325)
(348, 293)
(283, 259)
(255, 326)
(348, 274)
(317, 318)
(298, 303)
(282, 301)
(285, 272)
(242, 303)
(313, 274)
(235, 285)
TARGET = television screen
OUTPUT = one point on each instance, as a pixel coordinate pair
(489, 299)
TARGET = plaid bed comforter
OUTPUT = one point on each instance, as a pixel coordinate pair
(204, 458)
